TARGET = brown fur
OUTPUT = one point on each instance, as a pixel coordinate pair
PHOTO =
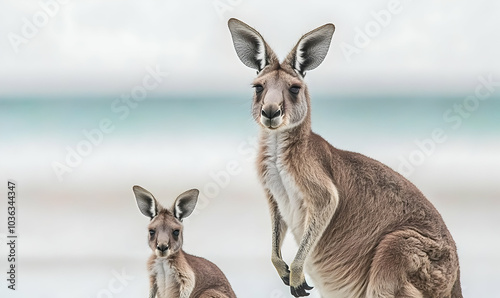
(363, 230)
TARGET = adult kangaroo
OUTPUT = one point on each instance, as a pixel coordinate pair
(363, 230)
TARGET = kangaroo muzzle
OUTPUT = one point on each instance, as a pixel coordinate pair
(271, 115)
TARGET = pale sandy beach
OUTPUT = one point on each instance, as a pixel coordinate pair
(77, 237)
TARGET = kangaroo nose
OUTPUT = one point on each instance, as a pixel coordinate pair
(162, 247)
(271, 111)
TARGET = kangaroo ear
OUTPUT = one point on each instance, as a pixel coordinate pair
(251, 48)
(185, 203)
(311, 49)
(146, 202)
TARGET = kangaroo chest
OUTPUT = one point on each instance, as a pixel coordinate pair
(166, 279)
(281, 182)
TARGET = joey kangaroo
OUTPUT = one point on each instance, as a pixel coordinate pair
(362, 229)
(172, 272)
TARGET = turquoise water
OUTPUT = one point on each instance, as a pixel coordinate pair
(340, 116)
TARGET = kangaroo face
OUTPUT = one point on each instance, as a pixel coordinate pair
(165, 234)
(165, 227)
(280, 100)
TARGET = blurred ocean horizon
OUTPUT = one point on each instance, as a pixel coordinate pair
(384, 128)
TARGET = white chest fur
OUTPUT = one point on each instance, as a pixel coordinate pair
(166, 279)
(283, 186)
(173, 281)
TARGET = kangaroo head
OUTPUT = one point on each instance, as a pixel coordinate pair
(281, 99)
(165, 227)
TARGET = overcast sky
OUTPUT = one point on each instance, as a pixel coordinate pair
(104, 47)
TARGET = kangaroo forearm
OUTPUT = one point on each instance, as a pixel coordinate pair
(152, 291)
(316, 224)
(279, 229)
(279, 232)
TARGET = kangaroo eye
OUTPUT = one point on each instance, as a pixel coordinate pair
(176, 233)
(258, 88)
(151, 232)
(295, 89)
